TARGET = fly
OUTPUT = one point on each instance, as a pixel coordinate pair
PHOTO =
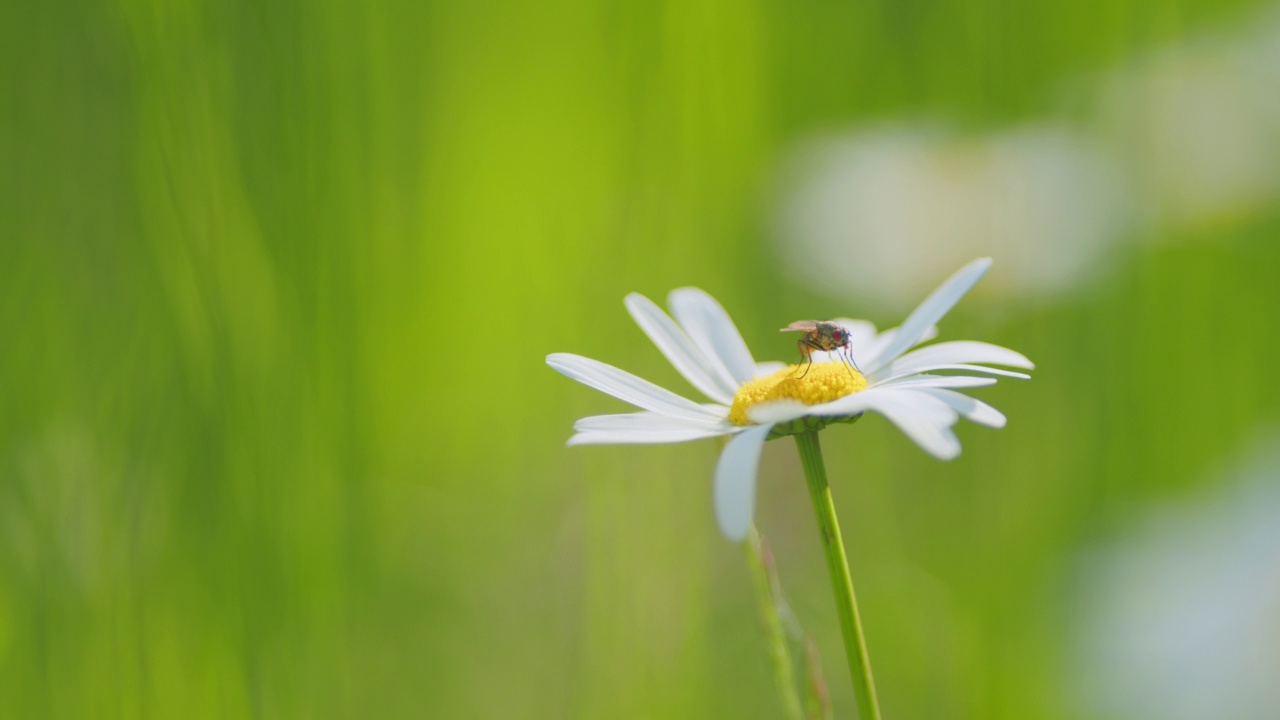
(821, 335)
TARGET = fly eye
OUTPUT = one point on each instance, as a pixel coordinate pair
(838, 336)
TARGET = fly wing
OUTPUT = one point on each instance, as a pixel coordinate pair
(801, 326)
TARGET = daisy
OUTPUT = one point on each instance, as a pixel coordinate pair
(754, 402)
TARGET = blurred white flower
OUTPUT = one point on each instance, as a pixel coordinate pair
(879, 213)
(1182, 618)
(1179, 139)
(1260, 63)
(1195, 128)
(756, 401)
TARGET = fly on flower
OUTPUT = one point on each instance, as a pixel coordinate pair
(821, 335)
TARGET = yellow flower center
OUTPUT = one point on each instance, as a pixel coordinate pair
(820, 383)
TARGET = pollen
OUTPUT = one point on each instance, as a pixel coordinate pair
(821, 383)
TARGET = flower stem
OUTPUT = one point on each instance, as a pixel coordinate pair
(779, 652)
(855, 645)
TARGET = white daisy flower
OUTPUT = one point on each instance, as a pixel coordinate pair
(754, 402)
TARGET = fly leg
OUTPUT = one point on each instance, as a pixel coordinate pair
(847, 356)
(807, 347)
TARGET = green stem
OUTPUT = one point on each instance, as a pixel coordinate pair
(855, 645)
(779, 653)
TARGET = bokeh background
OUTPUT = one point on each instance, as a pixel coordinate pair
(277, 281)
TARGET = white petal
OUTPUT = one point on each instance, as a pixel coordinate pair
(834, 356)
(711, 329)
(679, 349)
(627, 387)
(644, 436)
(931, 311)
(823, 356)
(777, 411)
(882, 377)
(940, 381)
(969, 351)
(968, 407)
(924, 419)
(874, 399)
(735, 481)
(927, 421)
(885, 400)
(768, 368)
(881, 341)
(950, 353)
(937, 440)
(648, 421)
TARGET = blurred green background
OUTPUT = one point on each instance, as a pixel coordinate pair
(276, 285)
